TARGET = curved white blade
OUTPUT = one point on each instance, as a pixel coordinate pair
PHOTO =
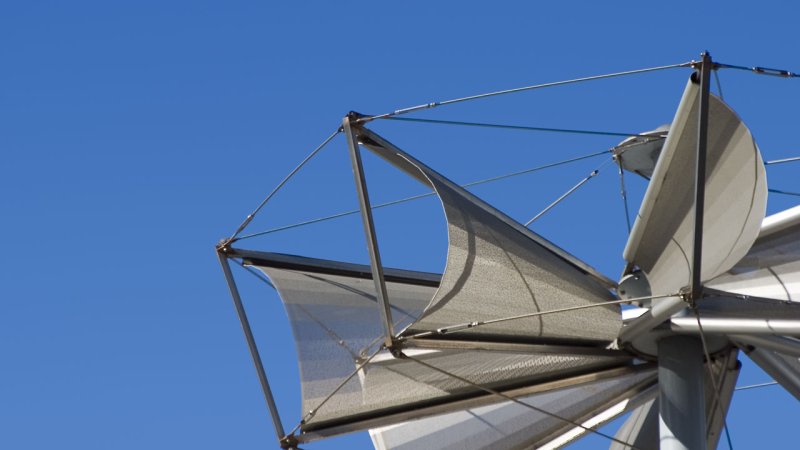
(639, 154)
(332, 309)
(511, 425)
(496, 268)
(772, 267)
(735, 199)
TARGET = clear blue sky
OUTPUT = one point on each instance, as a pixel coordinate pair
(135, 135)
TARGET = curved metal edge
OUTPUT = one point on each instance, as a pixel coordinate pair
(373, 420)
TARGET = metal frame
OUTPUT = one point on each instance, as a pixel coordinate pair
(369, 231)
(326, 266)
(254, 353)
(718, 404)
(665, 308)
(680, 373)
(501, 347)
(780, 344)
(704, 73)
(682, 423)
(735, 325)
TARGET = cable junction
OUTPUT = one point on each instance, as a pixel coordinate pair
(761, 70)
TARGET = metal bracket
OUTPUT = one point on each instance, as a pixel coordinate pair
(289, 443)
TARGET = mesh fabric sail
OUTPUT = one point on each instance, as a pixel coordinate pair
(337, 328)
(511, 425)
(496, 268)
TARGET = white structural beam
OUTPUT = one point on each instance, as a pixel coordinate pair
(681, 403)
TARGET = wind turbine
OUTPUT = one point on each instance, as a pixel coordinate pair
(519, 344)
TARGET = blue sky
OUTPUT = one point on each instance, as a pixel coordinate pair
(135, 135)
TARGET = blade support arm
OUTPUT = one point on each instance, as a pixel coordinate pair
(254, 353)
(369, 230)
(704, 73)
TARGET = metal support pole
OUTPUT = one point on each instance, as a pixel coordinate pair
(736, 326)
(700, 174)
(251, 344)
(778, 369)
(717, 404)
(369, 231)
(681, 403)
(780, 344)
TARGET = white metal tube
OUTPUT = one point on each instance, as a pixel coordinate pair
(660, 312)
(728, 325)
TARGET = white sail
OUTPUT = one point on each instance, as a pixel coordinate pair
(497, 268)
(772, 267)
(661, 241)
(512, 425)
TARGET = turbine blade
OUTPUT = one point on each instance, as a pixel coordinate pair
(772, 266)
(497, 268)
(661, 241)
(511, 425)
(351, 384)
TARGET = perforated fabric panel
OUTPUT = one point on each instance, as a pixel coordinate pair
(497, 268)
(509, 425)
(661, 241)
(393, 383)
(771, 268)
(336, 322)
(336, 325)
